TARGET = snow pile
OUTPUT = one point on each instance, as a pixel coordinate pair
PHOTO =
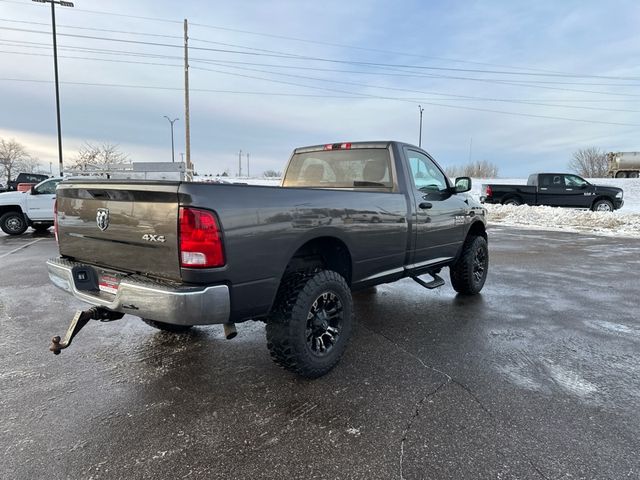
(567, 219)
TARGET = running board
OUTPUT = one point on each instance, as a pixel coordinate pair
(435, 283)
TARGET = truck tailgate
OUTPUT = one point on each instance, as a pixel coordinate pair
(127, 226)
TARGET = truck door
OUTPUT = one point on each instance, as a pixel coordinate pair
(551, 190)
(577, 192)
(40, 201)
(439, 216)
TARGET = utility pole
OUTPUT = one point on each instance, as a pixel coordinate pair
(248, 174)
(240, 163)
(55, 69)
(182, 157)
(470, 145)
(173, 157)
(187, 128)
(420, 134)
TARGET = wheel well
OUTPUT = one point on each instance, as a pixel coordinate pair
(512, 197)
(597, 199)
(9, 208)
(477, 229)
(328, 252)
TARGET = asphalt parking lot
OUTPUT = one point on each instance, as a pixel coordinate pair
(537, 377)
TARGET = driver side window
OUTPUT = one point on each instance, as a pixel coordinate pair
(426, 175)
(47, 188)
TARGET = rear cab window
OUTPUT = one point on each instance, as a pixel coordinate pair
(358, 168)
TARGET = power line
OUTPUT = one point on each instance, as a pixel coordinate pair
(357, 72)
(328, 60)
(159, 35)
(352, 95)
(439, 94)
(466, 97)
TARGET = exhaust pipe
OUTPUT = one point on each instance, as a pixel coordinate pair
(230, 330)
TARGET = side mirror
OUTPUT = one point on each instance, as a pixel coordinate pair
(583, 186)
(33, 190)
(463, 184)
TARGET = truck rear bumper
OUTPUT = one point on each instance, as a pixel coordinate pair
(163, 302)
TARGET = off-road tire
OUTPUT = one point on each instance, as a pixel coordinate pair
(597, 206)
(13, 223)
(465, 277)
(289, 322)
(167, 327)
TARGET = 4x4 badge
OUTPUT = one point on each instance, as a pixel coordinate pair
(102, 218)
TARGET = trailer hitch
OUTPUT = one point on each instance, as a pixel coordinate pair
(80, 319)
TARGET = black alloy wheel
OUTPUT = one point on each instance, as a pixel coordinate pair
(324, 323)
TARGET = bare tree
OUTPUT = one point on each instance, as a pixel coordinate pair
(590, 162)
(476, 169)
(31, 165)
(13, 156)
(91, 155)
(271, 173)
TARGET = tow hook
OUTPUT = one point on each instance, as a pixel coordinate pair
(80, 319)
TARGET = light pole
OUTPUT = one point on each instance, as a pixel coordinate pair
(420, 135)
(55, 68)
(173, 158)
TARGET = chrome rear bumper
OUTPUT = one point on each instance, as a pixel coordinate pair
(146, 298)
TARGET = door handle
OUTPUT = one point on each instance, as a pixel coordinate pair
(425, 205)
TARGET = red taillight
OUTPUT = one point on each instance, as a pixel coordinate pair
(55, 218)
(200, 239)
(489, 192)
(338, 146)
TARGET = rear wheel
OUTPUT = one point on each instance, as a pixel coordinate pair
(469, 272)
(310, 325)
(512, 201)
(633, 175)
(621, 175)
(602, 206)
(167, 327)
(13, 223)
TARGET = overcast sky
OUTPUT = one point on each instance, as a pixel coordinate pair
(523, 84)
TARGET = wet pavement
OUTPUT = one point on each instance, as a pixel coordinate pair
(537, 377)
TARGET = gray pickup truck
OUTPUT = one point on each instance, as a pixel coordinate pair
(347, 216)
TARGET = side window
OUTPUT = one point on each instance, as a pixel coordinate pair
(558, 181)
(426, 175)
(574, 181)
(47, 188)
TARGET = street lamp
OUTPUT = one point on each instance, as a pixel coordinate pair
(55, 67)
(173, 159)
(420, 137)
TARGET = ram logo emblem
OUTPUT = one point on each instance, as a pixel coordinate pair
(102, 218)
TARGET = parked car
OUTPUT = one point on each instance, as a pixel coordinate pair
(26, 178)
(33, 208)
(179, 254)
(556, 190)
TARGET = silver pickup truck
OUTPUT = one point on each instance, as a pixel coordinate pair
(347, 216)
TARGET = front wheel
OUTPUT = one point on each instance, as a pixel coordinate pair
(310, 324)
(469, 272)
(167, 327)
(602, 206)
(13, 223)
